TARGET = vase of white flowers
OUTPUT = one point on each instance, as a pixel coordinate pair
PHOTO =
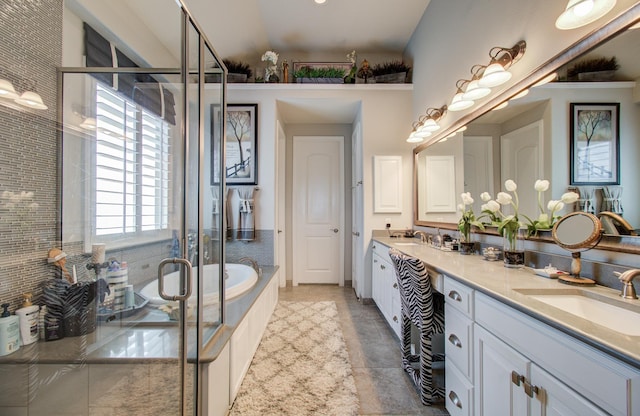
(270, 72)
(547, 219)
(466, 222)
(509, 225)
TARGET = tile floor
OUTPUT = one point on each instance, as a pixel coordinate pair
(383, 386)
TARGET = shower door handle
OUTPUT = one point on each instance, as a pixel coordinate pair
(187, 287)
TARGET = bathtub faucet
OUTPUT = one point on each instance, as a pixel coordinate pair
(253, 263)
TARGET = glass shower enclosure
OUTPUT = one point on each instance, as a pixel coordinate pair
(139, 166)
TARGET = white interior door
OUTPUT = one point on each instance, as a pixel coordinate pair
(478, 168)
(521, 159)
(280, 237)
(357, 224)
(318, 210)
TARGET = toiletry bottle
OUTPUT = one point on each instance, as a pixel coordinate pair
(9, 332)
(28, 315)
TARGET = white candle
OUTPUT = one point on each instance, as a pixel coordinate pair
(98, 253)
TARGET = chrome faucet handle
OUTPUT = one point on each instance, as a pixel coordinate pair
(628, 291)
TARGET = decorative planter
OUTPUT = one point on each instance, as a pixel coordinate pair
(596, 76)
(320, 80)
(236, 78)
(513, 252)
(398, 78)
(466, 248)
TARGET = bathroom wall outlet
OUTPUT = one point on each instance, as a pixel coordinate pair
(387, 222)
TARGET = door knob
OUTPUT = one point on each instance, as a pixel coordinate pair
(335, 230)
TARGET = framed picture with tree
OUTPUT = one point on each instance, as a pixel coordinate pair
(240, 143)
(595, 144)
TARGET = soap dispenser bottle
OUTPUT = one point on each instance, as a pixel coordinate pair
(9, 331)
(28, 315)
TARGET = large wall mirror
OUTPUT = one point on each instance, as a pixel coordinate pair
(531, 139)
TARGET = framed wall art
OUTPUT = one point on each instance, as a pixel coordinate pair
(240, 143)
(595, 144)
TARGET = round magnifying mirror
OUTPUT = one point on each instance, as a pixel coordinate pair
(576, 232)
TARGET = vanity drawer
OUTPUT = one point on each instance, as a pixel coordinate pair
(458, 339)
(459, 296)
(381, 250)
(458, 394)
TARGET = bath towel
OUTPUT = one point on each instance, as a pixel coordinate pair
(215, 213)
(246, 219)
(229, 216)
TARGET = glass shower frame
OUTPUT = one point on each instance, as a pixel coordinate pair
(200, 88)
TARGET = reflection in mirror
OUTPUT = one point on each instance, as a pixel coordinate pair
(576, 232)
(614, 224)
(529, 140)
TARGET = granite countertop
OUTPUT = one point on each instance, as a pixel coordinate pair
(502, 283)
(145, 337)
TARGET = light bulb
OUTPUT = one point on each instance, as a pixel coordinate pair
(582, 12)
(458, 103)
(475, 91)
(494, 75)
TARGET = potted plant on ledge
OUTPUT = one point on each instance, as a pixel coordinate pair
(393, 72)
(467, 220)
(238, 72)
(321, 75)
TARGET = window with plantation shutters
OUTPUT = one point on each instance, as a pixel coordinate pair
(131, 168)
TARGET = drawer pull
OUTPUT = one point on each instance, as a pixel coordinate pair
(395, 285)
(375, 260)
(516, 378)
(529, 388)
(455, 340)
(454, 399)
(455, 296)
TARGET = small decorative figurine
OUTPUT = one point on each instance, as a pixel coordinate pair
(365, 71)
(58, 258)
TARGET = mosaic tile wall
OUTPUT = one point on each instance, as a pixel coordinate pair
(30, 52)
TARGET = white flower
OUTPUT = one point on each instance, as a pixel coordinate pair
(492, 206)
(569, 197)
(543, 218)
(554, 205)
(270, 56)
(541, 185)
(466, 198)
(510, 185)
(485, 196)
(504, 198)
(352, 57)
(461, 207)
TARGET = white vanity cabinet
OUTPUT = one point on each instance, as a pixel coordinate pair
(500, 361)
(458, 342)
(384, 287)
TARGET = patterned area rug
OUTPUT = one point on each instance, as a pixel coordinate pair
(301, 366)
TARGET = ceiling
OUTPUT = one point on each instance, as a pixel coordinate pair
(237, 28)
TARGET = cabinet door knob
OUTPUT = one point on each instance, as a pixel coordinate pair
(455, 296)
(454, 399)
(529, 388)
(395, 285)
(395, 318)
(455, 340)
(382, 266)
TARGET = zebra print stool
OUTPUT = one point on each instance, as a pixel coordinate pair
(425, 310)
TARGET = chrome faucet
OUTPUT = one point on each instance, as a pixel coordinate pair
(628, 291)
(422, 234)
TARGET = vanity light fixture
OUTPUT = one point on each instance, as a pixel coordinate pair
(89, 123)
(459, 102)
(430, 120)
(501, 59)
(31, 99)
(500, 106)
(416, 135)
(6, 90)
(551, 77)
(474, 91)
(320, 1)
(582, 12)
(520, 94)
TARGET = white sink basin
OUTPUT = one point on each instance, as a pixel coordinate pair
(618, 316)
(406, 244)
